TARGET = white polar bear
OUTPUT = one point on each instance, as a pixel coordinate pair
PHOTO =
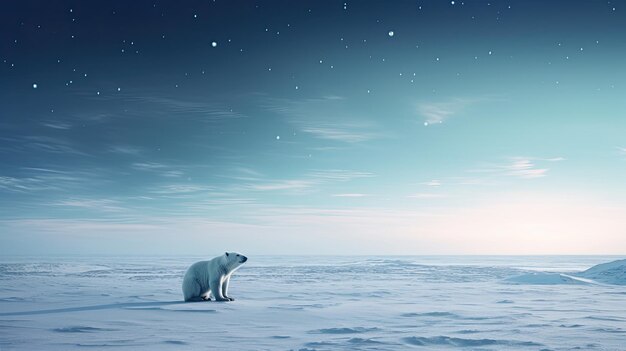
(213, 276)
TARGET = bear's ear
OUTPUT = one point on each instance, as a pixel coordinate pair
(226, 254)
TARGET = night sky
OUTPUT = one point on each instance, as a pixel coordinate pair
(318, 127)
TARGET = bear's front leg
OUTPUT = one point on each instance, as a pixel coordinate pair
(217, 290)
(225, 289)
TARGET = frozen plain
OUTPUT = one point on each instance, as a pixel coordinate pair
(317, 303)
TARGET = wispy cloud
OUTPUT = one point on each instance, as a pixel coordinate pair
(435, 113)
(310, 180)
(172, 174)
(206, 110)
(181, 189)
(439, 112)
(554, 159)
(216, 202)
(469, 180)
(199, 199)
(93, 115)
(107, 205)
(40, 179)
(125, 150)
(354, 217)
(325, 148)
(325, 118)
(520, 167)
(524, 168)
(148, 166)
(351, 195)
(341, 175)
(21, 184)
(248, 171)
(40, 143)
(158, 168)
(81, 226)
(426, 196)
(51, 144)
(242, 173)
(116, 108)
(284, 185)
(57, 125)
(338, 132)
(434, 182)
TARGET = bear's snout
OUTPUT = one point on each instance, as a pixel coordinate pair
(243, 259)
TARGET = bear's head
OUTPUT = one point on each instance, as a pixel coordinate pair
(235, 259)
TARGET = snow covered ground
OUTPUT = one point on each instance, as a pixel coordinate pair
(317, 303)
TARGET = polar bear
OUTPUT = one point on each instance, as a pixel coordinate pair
(213, 276)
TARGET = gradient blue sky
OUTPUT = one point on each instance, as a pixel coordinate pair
(478, 127)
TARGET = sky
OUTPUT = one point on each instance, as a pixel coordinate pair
(312, 127)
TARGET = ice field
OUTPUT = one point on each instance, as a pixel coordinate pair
(317, 303)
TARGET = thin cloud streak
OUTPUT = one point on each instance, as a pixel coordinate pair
(158, 168)
(182, 188)
(325, 118)
(125, 150)
(283, 185)
(107, 205)
(434, 183)
(310, 181)
(21, 184)
(439, 112)
(338, 132)
(524, 168)
(426, 196)
(44, 179)
(40, 143)
(57, 125)
(339, 175)
(351, 195)
(205, 110)
(519, 167)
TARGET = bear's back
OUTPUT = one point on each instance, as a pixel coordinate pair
(199, 271)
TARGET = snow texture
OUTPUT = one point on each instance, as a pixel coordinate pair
(317, 303)
(544, 278)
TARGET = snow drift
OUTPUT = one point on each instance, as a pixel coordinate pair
(609, 273)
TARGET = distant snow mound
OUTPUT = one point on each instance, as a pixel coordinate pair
(609, 273)
(542, 278)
